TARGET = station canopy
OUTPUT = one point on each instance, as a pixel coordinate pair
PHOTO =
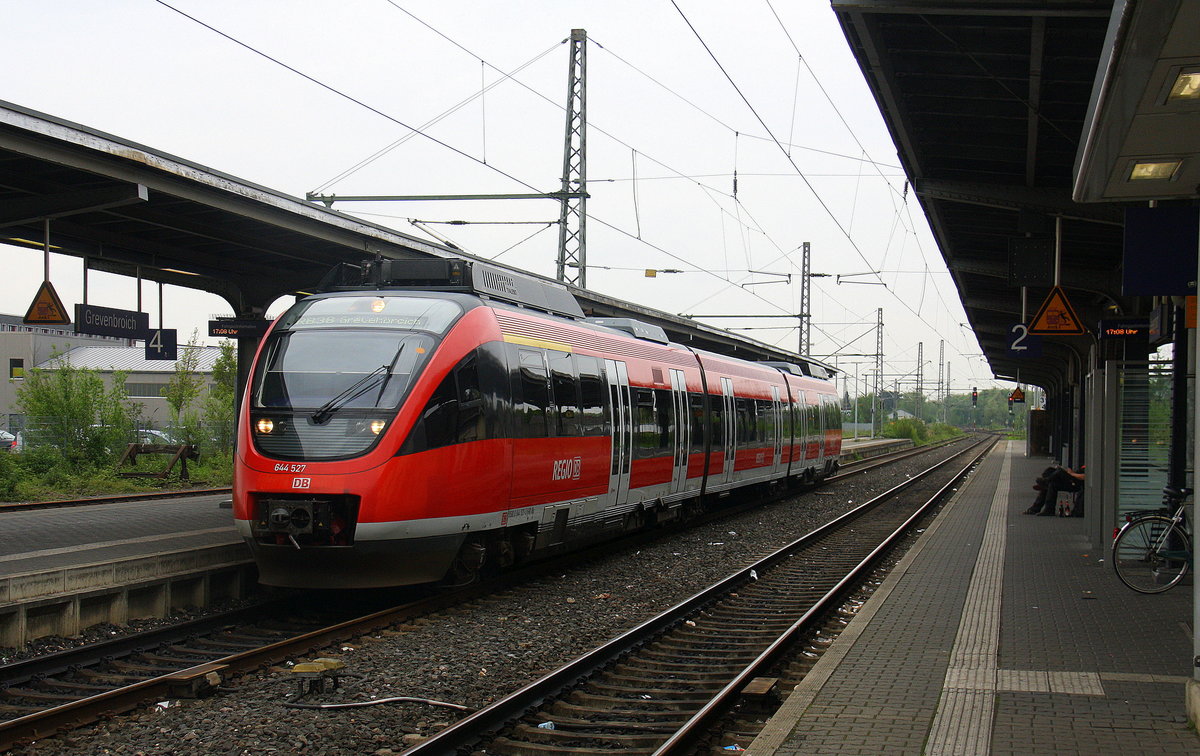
(1011, 116)
(130, 210)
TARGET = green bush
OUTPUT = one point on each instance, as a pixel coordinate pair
(942, 431)
(919, 432)
(907, 427)
(8, 476)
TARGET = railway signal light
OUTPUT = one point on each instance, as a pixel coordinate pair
(974, 397)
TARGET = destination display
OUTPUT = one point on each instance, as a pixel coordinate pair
(1124, 329)
(237, 329)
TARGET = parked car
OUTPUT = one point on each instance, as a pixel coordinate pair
(7, 441)
(151, 436)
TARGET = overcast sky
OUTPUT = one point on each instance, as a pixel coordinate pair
(667, 130)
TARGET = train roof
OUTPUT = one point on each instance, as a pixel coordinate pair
(529, 292)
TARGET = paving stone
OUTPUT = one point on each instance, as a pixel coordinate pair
(1057, 656)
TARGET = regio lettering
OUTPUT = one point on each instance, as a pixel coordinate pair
(567, 469)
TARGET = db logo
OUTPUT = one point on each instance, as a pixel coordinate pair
(301, 482)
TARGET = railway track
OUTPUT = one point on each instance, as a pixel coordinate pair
(661, 687)
(52, 694)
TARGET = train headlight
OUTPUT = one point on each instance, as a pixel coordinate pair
(377, 426)
(378, 305)
(265, 425)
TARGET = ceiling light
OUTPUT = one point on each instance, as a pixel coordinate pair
(1154, 170)
(1186, 86)
(28, 243)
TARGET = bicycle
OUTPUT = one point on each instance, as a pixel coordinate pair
(1152, 552)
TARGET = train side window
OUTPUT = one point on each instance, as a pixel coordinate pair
(566, 393)
(454, 413)
(533, 404)
(765, 422)
(665, 419)
(696, 408)
(744, 409)
(470, 424)
(645, 424)
(594, 420)
(716, 414)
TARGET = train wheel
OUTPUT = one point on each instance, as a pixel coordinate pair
(467, 565)
(635, 520)
(506, 555)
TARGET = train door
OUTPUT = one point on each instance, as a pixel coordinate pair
(679, 401)
(777, 419)
(822, 421)
(622, 431)
(730, 417)
(799, 435)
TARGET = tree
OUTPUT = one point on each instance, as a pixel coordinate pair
(186, 383)
(68, 407)
(219, 403)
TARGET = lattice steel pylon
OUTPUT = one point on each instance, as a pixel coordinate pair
(572, 220)
(876, 420)
(920, 399)
(806, 301)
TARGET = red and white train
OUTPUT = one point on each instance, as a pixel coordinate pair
(456, 414)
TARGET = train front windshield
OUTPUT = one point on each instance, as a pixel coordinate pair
(334, 372)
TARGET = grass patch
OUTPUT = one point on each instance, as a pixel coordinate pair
(45, 474)
(919, 432)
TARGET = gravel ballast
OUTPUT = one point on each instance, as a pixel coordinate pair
(473, 654)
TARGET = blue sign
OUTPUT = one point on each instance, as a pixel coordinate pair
(105, 321)
(161, 345)
(1023, 343)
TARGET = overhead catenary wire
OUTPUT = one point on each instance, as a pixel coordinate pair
(820, 200)
(401, 123)
(381, 152)
(600, 130)
(741, 212)
(850, 130)
(339, 93)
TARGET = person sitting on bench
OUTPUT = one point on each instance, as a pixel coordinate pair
(1053, 481)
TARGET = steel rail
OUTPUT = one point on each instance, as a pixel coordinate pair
(77, 713)
(468, 731)
(701, 722)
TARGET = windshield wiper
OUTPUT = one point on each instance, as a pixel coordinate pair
(358, 388)
(352, 392)
(390, 368)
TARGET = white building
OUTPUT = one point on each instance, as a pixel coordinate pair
(145, 380)
(23, 347)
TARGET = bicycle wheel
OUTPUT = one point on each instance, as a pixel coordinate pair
(1152, 554)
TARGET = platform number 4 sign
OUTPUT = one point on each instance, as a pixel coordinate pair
(161, 345)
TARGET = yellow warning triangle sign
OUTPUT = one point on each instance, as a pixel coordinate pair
(1056, 317)
(1017, 395)
(47, 308)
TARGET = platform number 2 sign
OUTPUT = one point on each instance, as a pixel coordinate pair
(1023, 343)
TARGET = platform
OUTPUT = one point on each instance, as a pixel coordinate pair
(999, 633)
(63, 569)
(865, 448)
